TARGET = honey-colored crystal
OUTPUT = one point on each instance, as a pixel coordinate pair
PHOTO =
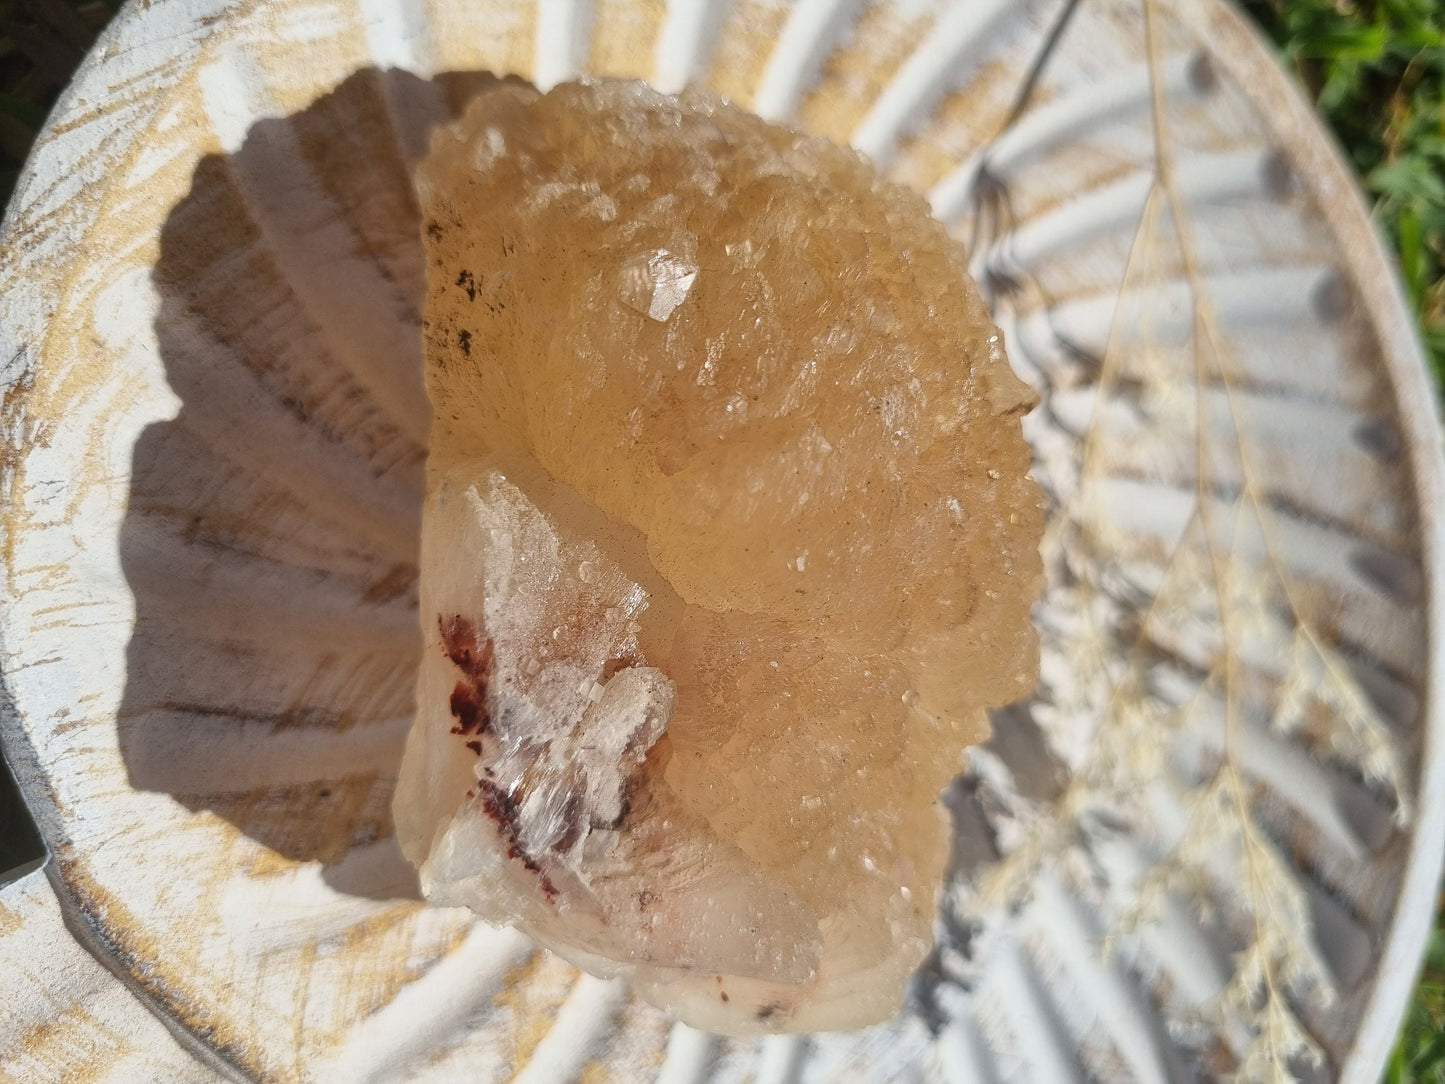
(728, 544)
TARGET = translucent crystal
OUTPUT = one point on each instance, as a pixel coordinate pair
(655, 283)
(728, 544)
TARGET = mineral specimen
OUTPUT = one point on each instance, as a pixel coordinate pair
(728, 543)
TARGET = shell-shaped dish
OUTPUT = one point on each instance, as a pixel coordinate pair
(1207, 846)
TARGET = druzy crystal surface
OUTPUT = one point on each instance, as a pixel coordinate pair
(728, 545)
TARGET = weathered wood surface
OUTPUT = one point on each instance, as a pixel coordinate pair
(213, 431)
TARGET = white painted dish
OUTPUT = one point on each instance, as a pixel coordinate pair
(213, 437)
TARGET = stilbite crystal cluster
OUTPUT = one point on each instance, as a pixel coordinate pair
(728, 544)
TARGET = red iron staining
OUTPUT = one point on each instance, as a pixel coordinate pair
(459, 641)
(474, 657)
(498, 805)
(469, 710)
(469, 698)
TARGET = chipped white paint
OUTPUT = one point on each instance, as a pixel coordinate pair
(806, 40)
(582, 1024)
(65, 1012)
(400, 1038)
(561, 42)
(206, 627)
(689, 1056)
(1113, 210)
(1108, 990)
(963, 1058)
(1056, 122)
(1045, 1052)
(944, 54)
(781, 1059)
(397, 35)
(1284, 298)
(363, 316)
(684, 42)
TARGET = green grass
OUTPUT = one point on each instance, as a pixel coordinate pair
(1420, 1052)
(1376, 70)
